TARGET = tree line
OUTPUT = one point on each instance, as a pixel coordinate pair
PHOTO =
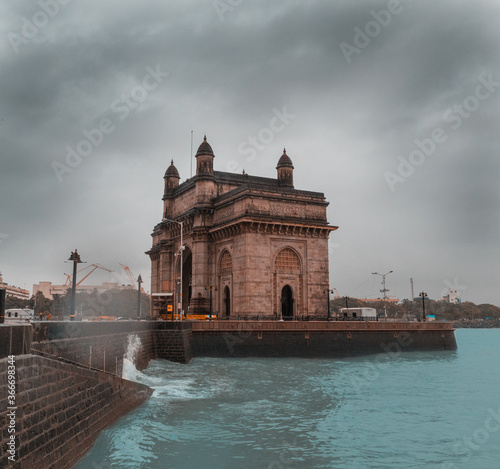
(413, 309)
(114, 303)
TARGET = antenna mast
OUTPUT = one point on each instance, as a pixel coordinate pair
(191, 175)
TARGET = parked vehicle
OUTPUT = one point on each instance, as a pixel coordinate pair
(19, 314)
(357, 314)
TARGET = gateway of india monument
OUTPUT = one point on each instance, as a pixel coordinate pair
(252, 246)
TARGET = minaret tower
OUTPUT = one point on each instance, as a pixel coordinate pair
(204, 159)
(205, 181)
(285, 170)
(171, 179)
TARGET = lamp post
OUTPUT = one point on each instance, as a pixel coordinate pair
(139, 281)
(75, 258)
(181, 312)
(2, 305)
(384, 290)
(423, 295)
(328, 292)
(211, 288)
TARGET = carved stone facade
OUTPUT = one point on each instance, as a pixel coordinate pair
(256, 246)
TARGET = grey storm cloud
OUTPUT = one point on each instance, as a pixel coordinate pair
(67, 65)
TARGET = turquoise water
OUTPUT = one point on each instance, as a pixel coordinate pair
(399, 410)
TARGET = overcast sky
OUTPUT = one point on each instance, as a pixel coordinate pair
(389, 108)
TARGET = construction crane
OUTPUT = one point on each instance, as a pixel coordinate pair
(129, 273)
(94, 268)
(67, 283)
(336, 294)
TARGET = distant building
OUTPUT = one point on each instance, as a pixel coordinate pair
(452, 297)
(253, 246)
(50, 290)
(14, 292)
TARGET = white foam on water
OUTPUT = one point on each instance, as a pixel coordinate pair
(177, 389)
(131, 373)
(129, 370)
(133, 347)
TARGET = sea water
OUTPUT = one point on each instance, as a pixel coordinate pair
(393, 410)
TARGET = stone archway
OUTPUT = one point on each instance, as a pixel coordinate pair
(287, 284)
(225, 284)
(287, 302)
(227, 302)
(187, 278)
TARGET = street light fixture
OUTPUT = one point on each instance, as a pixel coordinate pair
(328, 292)
(384, 290)
(211, 288)
(139, 281)
(75, 258)
(181, 311)
(423, 295)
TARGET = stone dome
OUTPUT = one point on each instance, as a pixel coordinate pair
(205, 148)
(284, 161)
(172, 171)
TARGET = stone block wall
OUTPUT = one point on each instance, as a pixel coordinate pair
(15, 339)
(97, 345)
(103, 352)
(173, 341)
(61, 409)
(311, 339)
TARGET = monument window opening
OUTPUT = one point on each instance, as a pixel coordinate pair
(226, 263)
(286, 302)
(288, 260)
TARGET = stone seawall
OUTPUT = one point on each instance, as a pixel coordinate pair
(317, 338)
(173, 341)
(60, 410)
(15, 339)
(103, 345)
(103, 352)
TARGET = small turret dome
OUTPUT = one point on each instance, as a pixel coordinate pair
(171, 178)
(205, 159)
(172, 171)
(284, 161)
(285, 170)
(205, 148)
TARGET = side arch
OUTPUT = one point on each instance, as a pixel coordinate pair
(288, 285)
(225, 275)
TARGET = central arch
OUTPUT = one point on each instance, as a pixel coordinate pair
(227, 302)
(225, 283)
(287, 284)
(187, 279)
(287, 302)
